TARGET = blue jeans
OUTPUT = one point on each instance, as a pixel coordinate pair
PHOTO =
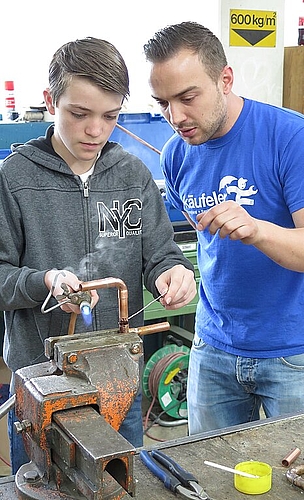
(131, 429)
(224, 389)
(132, 426)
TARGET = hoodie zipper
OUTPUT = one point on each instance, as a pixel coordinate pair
(86, 189)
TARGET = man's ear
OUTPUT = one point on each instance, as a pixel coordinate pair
(49, 101)
(227, 79)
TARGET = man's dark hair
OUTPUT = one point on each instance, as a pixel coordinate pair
(192, 36)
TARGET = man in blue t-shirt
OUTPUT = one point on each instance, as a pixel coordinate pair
(235, 167)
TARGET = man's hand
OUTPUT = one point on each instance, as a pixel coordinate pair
(230, 219)
(178, 287)
(54, 279)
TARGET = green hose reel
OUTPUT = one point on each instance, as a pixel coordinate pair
(168, 367)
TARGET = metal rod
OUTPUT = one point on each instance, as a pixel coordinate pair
(229, 469)
(138, 138)
(7, 406)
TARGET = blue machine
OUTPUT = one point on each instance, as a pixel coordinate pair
(153, 129)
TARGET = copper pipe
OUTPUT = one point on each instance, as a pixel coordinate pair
(291, 457)
(147, 329)
(72, 323)
(122, 297)
(122, 304)
(137, 138)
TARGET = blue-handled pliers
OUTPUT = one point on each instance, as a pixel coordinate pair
(175, 478)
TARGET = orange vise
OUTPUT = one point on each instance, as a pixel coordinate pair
(70, 409)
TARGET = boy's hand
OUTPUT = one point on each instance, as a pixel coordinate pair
(55, 278)
(178, 287)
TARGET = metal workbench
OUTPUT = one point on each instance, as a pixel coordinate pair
(269, 440)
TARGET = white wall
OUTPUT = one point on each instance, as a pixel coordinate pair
(32, 30)
(35, 29)
(258, 70)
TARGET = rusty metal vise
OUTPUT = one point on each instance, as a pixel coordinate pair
(70, 409)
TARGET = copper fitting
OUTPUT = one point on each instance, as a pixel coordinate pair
(291, 457)
(122, 297)
(122, 306)
(294, 476)
(147, 329)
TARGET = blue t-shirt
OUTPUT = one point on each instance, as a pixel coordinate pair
(248, 304)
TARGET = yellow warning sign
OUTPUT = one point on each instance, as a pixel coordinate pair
(253, 28)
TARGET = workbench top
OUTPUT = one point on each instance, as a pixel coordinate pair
(269, 441)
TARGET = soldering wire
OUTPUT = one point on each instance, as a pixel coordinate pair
(65, 301)
(147, 305)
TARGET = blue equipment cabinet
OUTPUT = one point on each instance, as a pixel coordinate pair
(152, 129)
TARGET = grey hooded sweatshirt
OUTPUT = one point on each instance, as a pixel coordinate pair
(113, 225)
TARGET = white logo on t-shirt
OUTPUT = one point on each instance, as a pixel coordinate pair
(239, 188)
(229, 187)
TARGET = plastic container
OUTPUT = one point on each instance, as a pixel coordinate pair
(10, 100)
(253, 486)
(3, 154)
(301, 31)
(9, 95)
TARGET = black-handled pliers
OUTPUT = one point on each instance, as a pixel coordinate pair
(174, 477)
